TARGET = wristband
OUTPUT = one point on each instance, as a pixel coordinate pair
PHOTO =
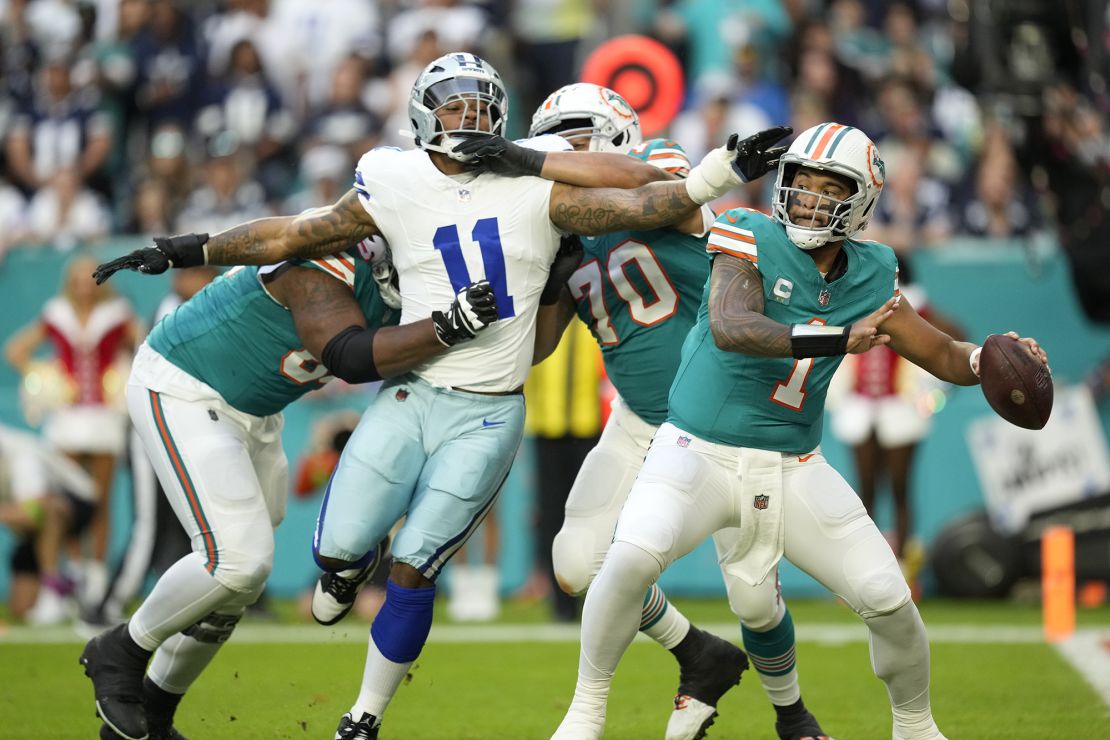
(973, 360)
(184, 250)
(817, 340)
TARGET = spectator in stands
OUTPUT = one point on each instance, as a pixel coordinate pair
(914, 211)
(13, 217)
(1000, 204)
(228, 196)
(325, 174)
(168, 163)
(59, 128)
(345, 120)
(908, 128)
(151, 209)
(171, 66)
(63, 213)
(93, 333)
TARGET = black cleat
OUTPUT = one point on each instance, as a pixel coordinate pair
(714, 668)
(365, 729)
(801, 727)
(335, 595)
(117, 676)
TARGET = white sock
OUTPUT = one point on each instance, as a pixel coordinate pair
(185, 593)
(665, 624)
(610, 620)
(380, 679)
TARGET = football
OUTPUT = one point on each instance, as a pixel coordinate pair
(1016, 384)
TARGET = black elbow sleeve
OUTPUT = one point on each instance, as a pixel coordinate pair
(349, 355)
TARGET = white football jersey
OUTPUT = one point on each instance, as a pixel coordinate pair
(447, 232)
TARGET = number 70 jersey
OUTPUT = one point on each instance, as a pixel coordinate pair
(447, 232)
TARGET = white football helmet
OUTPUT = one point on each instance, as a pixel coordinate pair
(456, 76)
(839, 149)
(587, 110)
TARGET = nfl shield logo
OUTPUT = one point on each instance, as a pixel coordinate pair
(683, 442)
(824, 297)
(401, 394)
(464, 195)
(761, 502)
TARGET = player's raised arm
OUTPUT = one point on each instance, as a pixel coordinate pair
(582, 169)
(591, 211)
(738, 324)
(333, 327)
(264, 241)
(934, 351)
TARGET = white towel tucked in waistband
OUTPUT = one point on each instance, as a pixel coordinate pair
(758, 548)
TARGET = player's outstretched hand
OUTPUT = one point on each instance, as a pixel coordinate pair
(738, 162)
(754, 155)
(499, 155)
(865, 333)
(184, 250)
(566, 261)
(474, 308)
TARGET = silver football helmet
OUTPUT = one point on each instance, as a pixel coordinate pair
(457, 76)
(587, 110)
(837, 149)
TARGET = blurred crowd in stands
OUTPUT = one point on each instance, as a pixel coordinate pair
(157, 116)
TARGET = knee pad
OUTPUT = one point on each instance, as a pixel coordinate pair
(571, 558)
(214, 628)
(875, 579)
(244, 573)
(759, 608)
(401, 627)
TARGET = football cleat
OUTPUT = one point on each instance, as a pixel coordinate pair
(577, 725)
(335, 593)
(117, 678)
(106, 733)
(366, 728)
(802, 727)
(702, 683)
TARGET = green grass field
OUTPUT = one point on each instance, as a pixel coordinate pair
(1007, 684)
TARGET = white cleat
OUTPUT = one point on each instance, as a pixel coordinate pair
(580, 726)
(690, 719)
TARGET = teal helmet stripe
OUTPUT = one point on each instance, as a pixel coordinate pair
(816, 135)
(836, 141)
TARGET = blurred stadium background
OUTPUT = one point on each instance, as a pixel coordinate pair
(124, 119)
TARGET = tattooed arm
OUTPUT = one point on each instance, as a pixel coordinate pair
(591, 211)
(323, 308)
(736, 311)
(738, 324)
(319, 232)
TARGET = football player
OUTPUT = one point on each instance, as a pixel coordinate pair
(449, 213)
(206, 392)
(639, 293)
(789, 295)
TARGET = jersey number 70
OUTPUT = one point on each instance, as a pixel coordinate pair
(587, 285)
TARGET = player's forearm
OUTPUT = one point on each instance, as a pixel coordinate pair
(592, 211)
(265, 241)
(551, 322)
(954, 364)
(599, 170)
(399, 349)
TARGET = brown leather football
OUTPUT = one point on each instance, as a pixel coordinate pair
(1016, 384)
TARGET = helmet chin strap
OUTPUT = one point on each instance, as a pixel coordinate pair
(446, 150)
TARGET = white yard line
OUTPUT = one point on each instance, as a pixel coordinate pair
(1088, 651)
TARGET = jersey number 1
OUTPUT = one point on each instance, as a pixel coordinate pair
(790, 393)
(488, 236)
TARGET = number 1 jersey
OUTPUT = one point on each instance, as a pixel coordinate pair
(446, 232)
(774, 403)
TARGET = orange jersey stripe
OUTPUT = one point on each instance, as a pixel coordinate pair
(731, 253)
(733, 235)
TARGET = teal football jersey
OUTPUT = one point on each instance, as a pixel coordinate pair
(774, 403)
(237, 339)
(639, 294)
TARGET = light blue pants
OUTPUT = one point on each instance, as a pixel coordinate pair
(433, 455)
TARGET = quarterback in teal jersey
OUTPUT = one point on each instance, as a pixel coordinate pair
(788, 296)
(205, 394)
(639, 293)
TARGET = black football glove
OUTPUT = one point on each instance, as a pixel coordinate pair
(566, 261)
(474, 308)
(501, 156)
(184, 250)
(753, 157)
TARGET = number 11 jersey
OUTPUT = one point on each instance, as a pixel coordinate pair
(446, 232)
